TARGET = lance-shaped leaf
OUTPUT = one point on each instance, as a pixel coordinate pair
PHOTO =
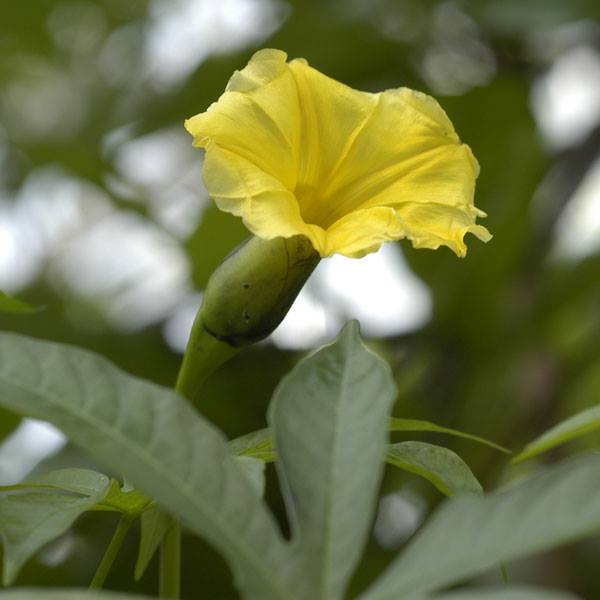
(160, 444)
(329, 419)
(84, 482)
(576, 426)
(155, 523)
(397, 424)
(87, 482)
(470, 534)
(29, 520)
(443, 468)
(257, 444)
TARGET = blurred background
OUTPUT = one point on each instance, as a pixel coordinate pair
(104, 221)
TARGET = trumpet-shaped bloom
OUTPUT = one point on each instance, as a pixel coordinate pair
(293, 152)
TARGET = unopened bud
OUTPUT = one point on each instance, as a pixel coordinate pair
(245, 299)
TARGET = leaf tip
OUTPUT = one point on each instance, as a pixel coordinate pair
(350, 332)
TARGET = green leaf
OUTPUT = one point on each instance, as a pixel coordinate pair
(30, 520)
(254, 469)
(8, 304)
(470, 534)
(88, 483)
(329, 419)
(576, 426)
(257, 444)
(76, 481)
(155, 523)
(70, 594)
(56, 512)
(158, 442)
(507, 593)
(439, 465)
(417, 425)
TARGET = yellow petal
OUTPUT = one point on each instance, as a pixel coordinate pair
(363, 231)
(331, 115)
(406, 152)
(267, 208)
(257, 117)
(292, 151)
(264, 66)
(430, 225)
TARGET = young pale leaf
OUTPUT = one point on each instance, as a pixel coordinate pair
(155, 523)
(506, 593)
(70, 594)
(30, 520)
(329, 419)
(8, 304)
(257, 444)
(130, 502)
(442, 467)
(158, 442)
(470, 534)
(569, 429)
(417, 425)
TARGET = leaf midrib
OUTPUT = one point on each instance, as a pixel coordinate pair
(328, 545)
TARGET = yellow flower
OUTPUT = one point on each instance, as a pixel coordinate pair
(294, 152)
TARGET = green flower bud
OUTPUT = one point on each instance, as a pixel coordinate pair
(245, 299)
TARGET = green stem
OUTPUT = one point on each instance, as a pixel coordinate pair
(111, 553)
(170, 563)
(169, 574)
(204, 354)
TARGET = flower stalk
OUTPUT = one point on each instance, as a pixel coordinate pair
(111, 553)
(170, 563)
